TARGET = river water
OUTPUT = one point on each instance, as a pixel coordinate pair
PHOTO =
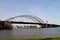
(30, 33)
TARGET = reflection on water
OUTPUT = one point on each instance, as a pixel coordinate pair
(30, 33)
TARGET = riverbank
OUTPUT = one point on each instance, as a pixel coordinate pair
(55, 38)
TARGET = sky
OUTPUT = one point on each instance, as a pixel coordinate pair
(47, 10)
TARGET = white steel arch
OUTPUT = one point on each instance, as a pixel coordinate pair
(34, 18)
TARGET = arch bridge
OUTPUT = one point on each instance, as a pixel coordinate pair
(37, 22)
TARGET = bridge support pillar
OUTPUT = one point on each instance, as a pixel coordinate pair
(8, 25)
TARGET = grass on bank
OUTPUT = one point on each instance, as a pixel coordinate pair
(57, 38)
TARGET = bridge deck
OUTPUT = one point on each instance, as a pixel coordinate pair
(43, 24)
(15, 22)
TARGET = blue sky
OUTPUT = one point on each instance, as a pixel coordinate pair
(44, 9)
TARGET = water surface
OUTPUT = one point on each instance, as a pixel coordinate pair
(30, 33)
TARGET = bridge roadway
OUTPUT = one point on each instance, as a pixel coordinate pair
(43, 24)
(9, 26)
